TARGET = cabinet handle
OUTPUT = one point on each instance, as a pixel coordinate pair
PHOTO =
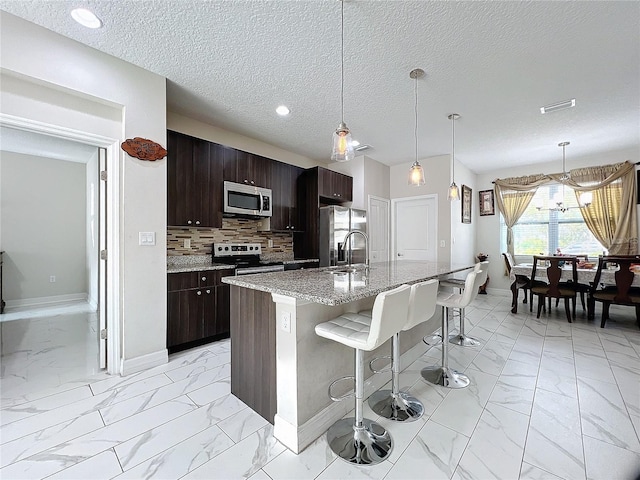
(188, 222)
(198, 292)
(208, 291)
(292, 227)
(197, 222)
(204, 279)
(252, 182)
(246, 181)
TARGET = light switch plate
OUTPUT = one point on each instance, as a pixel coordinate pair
(146, 238)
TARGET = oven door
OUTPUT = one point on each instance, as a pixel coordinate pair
(242, 199)
(259, 269)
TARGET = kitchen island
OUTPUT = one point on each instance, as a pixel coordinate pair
(282, 369)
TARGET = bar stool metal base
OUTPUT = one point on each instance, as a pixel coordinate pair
(463, 340)
(366, 445)
(400, 407)
(445, 377)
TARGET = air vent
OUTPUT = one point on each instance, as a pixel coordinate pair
(554, 107)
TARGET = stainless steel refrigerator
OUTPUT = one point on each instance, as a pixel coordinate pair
(335, 223)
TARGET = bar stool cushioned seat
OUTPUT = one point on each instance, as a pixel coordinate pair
(443, 375)
(394, 404)
(357, 439)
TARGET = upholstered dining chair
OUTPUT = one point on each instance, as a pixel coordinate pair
(622, 293)
(555, 288)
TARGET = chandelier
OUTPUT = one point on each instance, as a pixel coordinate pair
(558, 199)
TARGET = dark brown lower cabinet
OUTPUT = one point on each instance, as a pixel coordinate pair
(253, 350)
(196, 314)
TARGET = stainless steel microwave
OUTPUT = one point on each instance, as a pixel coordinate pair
(241, 199)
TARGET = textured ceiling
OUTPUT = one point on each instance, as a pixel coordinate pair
(230, 63)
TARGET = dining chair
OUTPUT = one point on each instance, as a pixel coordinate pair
(522, 281)
(622, 293)
(581, 288)
(554, 287)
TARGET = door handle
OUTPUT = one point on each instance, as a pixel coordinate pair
(400, 255)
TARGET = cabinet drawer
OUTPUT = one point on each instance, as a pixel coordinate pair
(182, 281)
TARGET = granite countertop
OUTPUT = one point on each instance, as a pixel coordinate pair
(195, 263)
(321, 286)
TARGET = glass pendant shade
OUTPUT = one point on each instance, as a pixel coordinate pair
(454, 192)
(342, 145)
(416, 175)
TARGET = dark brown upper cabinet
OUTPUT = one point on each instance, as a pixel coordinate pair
(334, 187)
(194, 182)
(284, 187)
(246, 168)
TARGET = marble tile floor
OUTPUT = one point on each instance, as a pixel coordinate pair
(45, 348)
(548, 400)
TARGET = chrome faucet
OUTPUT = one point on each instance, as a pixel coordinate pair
(366, 246)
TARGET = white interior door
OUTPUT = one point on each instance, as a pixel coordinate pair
(379, 219)
(102, 263)
(415, 231)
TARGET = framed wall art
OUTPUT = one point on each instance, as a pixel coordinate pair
(487, 206)
(466, 204)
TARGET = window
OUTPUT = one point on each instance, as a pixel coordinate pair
(544, 231)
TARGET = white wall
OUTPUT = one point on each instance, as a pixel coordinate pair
(98, 82)
(370, 177)
(488, 231)
(437, 178)
(463, 235)
(43, 227)
(92, 228)
(189, 126)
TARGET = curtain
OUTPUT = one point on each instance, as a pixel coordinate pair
(513, 196)
(611, 217)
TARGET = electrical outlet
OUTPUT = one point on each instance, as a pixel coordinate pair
(443, 243)
(270, 243)
(52, 279)
(285, 322)
(187, 243)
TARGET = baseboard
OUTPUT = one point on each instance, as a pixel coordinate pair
(499, 292)
(297, 438)
(143, 362)
(46, 301)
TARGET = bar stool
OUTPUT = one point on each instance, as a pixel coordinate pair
(461, 339)
(443, 375)
(356, 439)
(394, 404)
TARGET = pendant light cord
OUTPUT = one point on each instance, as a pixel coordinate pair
(415, 131)
(342, 62)
(453, 149)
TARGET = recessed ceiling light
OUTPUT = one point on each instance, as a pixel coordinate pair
(86, 18)
(282, 110)
(554, 107)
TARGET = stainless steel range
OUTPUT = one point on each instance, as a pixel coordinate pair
(245, 257)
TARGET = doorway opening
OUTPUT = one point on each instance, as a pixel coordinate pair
(54, 225)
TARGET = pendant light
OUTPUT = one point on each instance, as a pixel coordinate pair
(416, 173)
(454, 193)
(558, 199)
(342, 147)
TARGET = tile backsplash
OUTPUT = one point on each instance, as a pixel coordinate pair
(233, 230)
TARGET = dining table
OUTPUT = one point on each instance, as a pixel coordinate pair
(586, 276)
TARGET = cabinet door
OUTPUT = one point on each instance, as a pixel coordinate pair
(295, 208)
(281, 200)
(207, 185)
(184, 317)
(230, 164)
(260, 170)
(209, 311)
(223, 310)
(180, 178)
